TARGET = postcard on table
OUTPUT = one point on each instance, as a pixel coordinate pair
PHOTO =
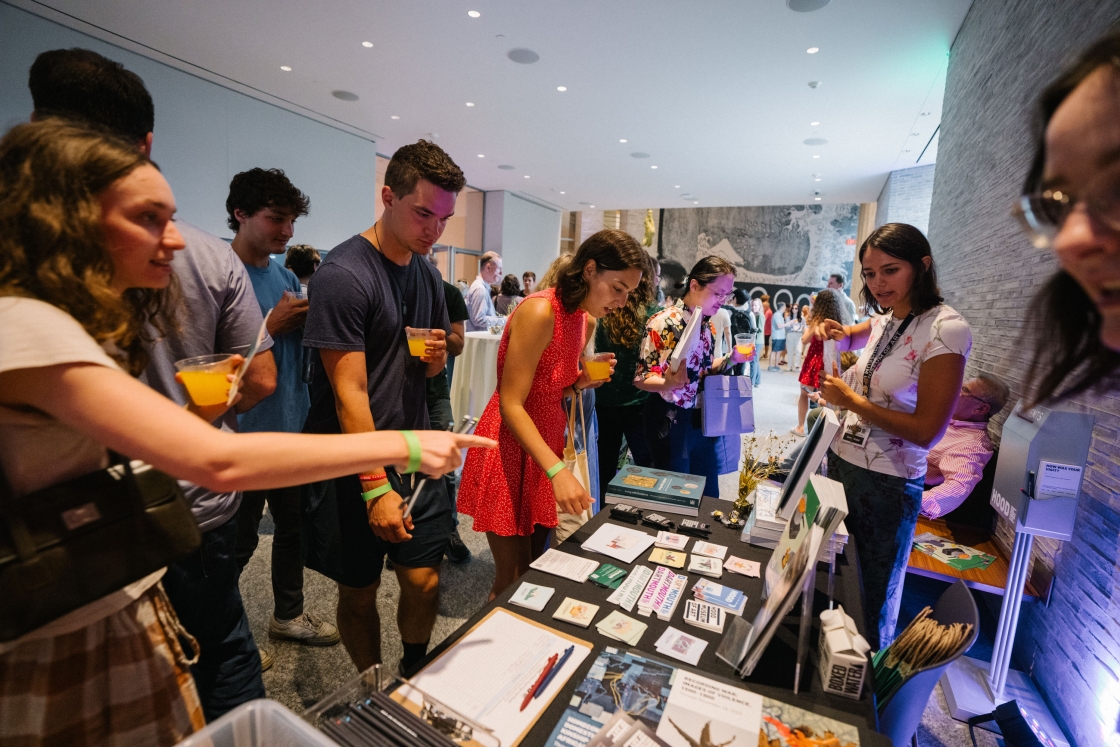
(743, 567)
(671, 541)
(532, 596)
(619, 542)
(670, 558)
(576, 612)
(487, 672)
(681, 645)
(709, 549)
(565, 565)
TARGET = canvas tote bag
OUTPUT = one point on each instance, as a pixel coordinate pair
(576, 462)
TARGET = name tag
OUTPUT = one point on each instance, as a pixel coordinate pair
(855, 432)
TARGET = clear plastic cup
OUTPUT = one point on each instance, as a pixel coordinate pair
(206, 378)
(298, 295)
(417, 339)
(598, 367)
(744, 344)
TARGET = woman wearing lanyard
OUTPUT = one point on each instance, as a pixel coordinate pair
(672, 420)
(906, 385)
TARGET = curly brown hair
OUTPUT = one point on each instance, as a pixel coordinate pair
(827, 306)
(610, 249)
(52, 247)
(626, 326)
(422, 160)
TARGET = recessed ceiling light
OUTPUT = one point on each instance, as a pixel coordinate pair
(285, 68)
(367, 45)
(622, 140)
(523, 56)
(815, 141)
(394, 117)
(813, 50)
(816, 156)
(653, 167)
(805, 6)
(639, 154)
(505, 167)
(345, 95)
(470, 103)
(816, 180)
(481, 156)
(473, 13)
(814, 84)
(561, 88)
(696, 202)
(676, 186)
(563, 193)
(526, 176)
(817, 199)
(591, 206)
(814, 124)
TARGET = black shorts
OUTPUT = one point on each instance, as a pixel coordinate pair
(778, 346)
(767, 339)
(338, 541)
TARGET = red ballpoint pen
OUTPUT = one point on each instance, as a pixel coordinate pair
(547, 668)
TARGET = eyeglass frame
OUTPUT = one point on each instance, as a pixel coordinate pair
(1043, 230)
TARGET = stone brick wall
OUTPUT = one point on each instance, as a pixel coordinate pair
(1003, 55)
(906, 197)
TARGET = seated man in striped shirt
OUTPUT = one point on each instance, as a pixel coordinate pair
(956, 463)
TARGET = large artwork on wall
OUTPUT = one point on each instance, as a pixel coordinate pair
(774, 247)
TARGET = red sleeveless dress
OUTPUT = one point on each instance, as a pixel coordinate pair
(504, 489)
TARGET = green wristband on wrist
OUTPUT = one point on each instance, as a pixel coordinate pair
(414, 452)
(377, 492)
(554, 470)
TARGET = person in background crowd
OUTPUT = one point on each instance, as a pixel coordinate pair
(793, 338)
(509, 295)
(368, 292)
(672, 419)
(767, 324)
(78, 315)
(263, 206)
(618, 403)
(743, 323)
(956, 463)
(514, 492)
(461, 284)
(303, 260)
(759, 341)
(827, 306)
(1071, 205)
(439, 401)
(480, 302)
(721, 332)
(778, 324)
(528, 281)
(908, 379)
(673, 275)
(836, 282)
(218, 313)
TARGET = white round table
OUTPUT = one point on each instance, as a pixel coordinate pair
(476, 375)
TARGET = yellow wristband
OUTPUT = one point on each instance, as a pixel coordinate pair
(554, 470)
(414, 452)
(369, 495)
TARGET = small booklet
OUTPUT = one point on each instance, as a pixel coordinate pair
(711, 567)
(710, 550)
(743, 567)
(622, 628)
(681, 645)
(576, 612)
(671, 541)
(702, 711)
(704, 615)
(618, 542)
(608, 576)
(959, 557)
(626, 595)
(726, 597)
(565, 565)
(532, 596)
(669, 558)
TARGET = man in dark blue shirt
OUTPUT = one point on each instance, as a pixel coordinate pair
(368, 290)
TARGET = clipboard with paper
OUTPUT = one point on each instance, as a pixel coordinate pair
(690, 338)
(486, 673)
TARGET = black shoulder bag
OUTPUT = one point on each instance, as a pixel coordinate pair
(70, 544)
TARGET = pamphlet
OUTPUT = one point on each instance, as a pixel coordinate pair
(681, 645)
(576, 612)
(532, 596)
(622, 628)
(711, 567)
(619, 542)
(608, 576)
(565, 565)
(709, 549)
(743, 567)
(671, 541)
(670, 558)
(958, 557)
(730, 599)
(626, 595)
(701, 711)
(623, 731)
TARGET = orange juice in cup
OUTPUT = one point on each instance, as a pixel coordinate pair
(744, 344)
(598, 367)
(417, 339)
(206, 378)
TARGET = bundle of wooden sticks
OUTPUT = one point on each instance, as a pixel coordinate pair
(924, 642)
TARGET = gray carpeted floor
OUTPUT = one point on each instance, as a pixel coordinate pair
(302, 675)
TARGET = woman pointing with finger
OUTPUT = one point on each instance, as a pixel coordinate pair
(898, 397)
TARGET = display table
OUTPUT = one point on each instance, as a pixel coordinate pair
(992, 579)
(476, 374)
(773, 677)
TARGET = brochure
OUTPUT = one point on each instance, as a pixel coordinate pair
(959, 557)
(619, 542)
(701, 711)
(532, 596)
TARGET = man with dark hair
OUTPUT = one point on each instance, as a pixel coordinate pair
(528, 281)
(263, 206)
(836, 282)
(480, 301)
(303, 260)
(369, 290)
(219, 315)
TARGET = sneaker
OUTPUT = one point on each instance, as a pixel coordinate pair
(457, 551)
(304, 629)
(266, 660)
(799, 434)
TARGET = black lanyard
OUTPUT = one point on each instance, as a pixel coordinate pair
(877, 356)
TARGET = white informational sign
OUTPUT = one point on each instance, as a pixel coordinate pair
(1058, 480)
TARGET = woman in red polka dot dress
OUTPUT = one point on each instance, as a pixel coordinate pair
(513, 491)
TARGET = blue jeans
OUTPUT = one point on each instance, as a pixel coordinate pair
(678, 444)
(882, 514)
(203, 590)
(614, 423)
(756, 371)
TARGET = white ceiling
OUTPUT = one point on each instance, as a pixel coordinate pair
(716, 91)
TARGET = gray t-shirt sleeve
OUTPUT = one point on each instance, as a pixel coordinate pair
(240, 316)
(336, 319)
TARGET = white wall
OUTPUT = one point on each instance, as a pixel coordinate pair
(524, 232)
(204, 134)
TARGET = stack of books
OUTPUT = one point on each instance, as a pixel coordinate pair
(656, 490)
(764, 527)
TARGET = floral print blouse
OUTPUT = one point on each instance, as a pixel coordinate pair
(663, 330)
(894, 385)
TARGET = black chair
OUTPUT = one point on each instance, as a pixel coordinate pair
(899, 717)
(976, 510)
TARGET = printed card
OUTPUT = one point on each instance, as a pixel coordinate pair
(710, 550)
(620, 627)
(671, 541)
(681, 645)
(576, 612)
(743, 567)
(668, 558)
(532, 596)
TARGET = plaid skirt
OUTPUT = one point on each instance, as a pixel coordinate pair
(124, 680)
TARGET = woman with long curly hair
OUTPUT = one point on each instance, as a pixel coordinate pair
(618, 403)
(827, 306)
(86, 242)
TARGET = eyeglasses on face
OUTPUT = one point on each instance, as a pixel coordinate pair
(1043, 213)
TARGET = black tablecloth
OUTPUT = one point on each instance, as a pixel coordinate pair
(773, 677)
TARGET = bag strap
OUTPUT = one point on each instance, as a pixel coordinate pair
(21, 536)
(571, 439)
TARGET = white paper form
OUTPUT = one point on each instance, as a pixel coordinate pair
(1058, 480)
(486, 673)
(565, 565)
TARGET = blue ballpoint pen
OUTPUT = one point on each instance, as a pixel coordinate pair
(555, 669)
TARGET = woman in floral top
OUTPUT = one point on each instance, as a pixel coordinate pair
(672, 420)
(898, 398)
